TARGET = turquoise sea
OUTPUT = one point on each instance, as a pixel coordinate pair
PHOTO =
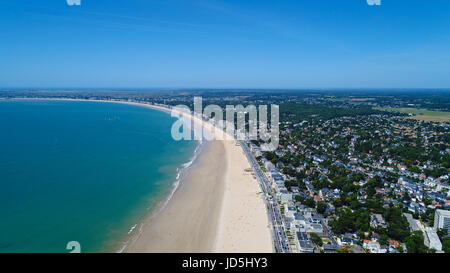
(82, 171)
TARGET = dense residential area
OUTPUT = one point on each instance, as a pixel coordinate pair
(374, 183)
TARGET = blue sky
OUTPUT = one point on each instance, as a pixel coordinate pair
(225, 44)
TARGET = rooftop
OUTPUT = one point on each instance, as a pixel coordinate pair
(443, 212)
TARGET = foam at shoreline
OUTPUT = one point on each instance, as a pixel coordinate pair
(181, 172)
(238, 219)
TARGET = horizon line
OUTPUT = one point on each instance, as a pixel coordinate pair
(216, 88)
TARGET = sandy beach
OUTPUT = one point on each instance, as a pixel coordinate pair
(189, 221)
(218, 206)
(244, 224)
(238, 220)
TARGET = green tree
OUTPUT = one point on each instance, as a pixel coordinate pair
(397, 224)
(442, 233)
(349, 221)
(310, 202)
(384, 239)
(446, 245)
(414, 243)
(316, 239)
(321, 207)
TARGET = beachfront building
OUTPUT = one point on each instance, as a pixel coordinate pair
(276, 177)
(304, 244)
(285, 197)
(289, 211)
(314, 228)
(269, 166)
(299, 220)
(442, 220)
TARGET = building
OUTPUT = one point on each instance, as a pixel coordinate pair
(414, 207)
(373, 247)
(442, 220)
(431, 239)
(276, 177)
(314, 228)
(269, 166)
(330, 248)
(356, 249)
(289, 211)
(347, 240)
(377, 220)
(413, 226)
(285, 197)
(304, 244)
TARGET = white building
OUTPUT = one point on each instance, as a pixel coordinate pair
(373, 247)
(289, 211)
(285, 198)
(442, 220)
(431, 239)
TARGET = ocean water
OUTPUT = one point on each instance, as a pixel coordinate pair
(82, 171)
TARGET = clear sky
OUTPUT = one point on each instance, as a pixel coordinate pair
(225, 44)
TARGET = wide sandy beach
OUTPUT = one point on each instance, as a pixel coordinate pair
(189, 221)
(218, 206)
(231, 218)
(244, 223)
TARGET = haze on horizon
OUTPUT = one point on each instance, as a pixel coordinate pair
(225, 44)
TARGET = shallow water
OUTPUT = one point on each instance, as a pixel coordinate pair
(82, 171)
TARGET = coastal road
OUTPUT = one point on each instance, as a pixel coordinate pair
(280, 237)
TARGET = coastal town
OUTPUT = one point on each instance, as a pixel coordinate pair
(350, 174)
(361, 184)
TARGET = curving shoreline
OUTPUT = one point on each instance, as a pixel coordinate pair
(217, 207)
(188, 223)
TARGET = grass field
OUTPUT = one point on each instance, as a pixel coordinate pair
(422, 114)
(362, 99)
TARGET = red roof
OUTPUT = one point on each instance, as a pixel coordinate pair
(393, 242)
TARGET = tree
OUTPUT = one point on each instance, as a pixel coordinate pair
(290, 183)
(349, 221)
(300, 199)
(442, 233)
(316, 239)
(384, 239)
(414, 243)
(321, 207)
(397, 224)
(446, 245)
(310, 202)
(362, 235)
